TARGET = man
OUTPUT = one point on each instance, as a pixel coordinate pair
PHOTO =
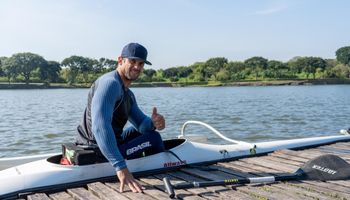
(110, 105)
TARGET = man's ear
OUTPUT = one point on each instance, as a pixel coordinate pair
(120, 60)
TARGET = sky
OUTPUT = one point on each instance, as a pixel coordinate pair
(175, 32)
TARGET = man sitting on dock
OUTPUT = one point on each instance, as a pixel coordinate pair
(110, 105)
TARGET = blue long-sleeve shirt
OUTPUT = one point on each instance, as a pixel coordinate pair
(103, 120)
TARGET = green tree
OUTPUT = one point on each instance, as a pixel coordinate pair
(95, 65)
(149, 72)
(158, 76)
(223, 75)
(213, 66)
(72, 64)
(86, 66)
(184, 71)
(198, 73)
(276, 68)
(341, 71)
(171, 72)
(257, 64)
(26, 63)
(236, 70)
(50, 72)
(343, 55)
(294, 65)
(9, 68)
(77, 64)
(2, 63)
(328, 72)
(147, 75)
(108, 64)
(312, 64)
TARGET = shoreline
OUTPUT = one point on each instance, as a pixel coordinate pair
(4, 85)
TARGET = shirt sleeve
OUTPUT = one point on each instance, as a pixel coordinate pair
(103, 101)
(137, 118)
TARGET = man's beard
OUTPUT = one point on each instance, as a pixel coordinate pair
(130, 78)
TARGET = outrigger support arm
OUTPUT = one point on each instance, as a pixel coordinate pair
(214, 131)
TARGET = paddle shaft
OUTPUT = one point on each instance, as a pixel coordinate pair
(267, 179)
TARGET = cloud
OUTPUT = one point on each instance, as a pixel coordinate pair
(270, 11)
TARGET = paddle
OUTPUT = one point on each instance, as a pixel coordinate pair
(323, 168)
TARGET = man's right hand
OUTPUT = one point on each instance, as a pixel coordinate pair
(125, 177)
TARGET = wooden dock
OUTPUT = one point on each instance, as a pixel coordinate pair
(283, 161)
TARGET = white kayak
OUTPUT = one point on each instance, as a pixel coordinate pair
(45, 174)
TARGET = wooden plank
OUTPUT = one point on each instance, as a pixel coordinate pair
(283, 193)
(61, 196)
(289, 192)
(312, 152)
(345, 145)
(326, 189)
(329, 185)
(244, 168)
(304, 193)
(82, 194)
(260, 192)
(271, 164)
(332, 150)
(264, 170)
(38, 196)
(215, 192)
(299, 154)
(104, 192)
(228, 169)
(128, 193)
(153, 190)
(284, 161)
(182, 194)
(250, 190)
(339, 148)
(187, 177)
(342, 183)
(203, 192)
(213, 175)
(234, 195)
(157, 183)
(280, 154)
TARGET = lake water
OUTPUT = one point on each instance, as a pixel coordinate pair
(38, 121)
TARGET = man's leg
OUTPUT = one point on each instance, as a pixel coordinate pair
(136, 145)
(129, 134)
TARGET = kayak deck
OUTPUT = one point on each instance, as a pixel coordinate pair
(283, 161)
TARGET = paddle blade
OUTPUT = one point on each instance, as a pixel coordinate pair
(324, 168)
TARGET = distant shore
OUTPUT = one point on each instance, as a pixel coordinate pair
(4, 85)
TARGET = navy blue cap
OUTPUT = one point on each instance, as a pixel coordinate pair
(135, 51)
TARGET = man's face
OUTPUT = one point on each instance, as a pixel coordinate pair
(132, 68)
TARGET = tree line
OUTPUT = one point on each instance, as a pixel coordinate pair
(30, 67)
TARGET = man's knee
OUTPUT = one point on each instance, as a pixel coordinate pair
(154, 136)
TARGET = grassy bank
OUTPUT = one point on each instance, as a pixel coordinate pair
(4, 85)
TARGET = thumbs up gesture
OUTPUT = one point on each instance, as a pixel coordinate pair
(158, 119)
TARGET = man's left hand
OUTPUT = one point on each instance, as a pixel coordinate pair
(158, 120)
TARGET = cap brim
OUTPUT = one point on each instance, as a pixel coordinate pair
(137, 58)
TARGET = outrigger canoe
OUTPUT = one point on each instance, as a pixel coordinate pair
(47, 174)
